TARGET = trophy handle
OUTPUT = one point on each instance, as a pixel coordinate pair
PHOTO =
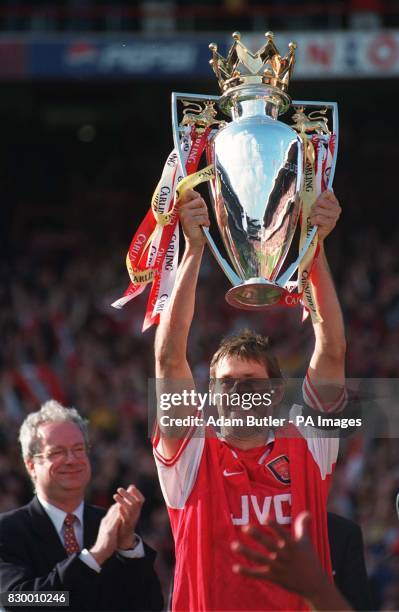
(333, 106)
(176, 129)
(227, 269)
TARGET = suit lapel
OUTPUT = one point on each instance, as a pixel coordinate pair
(91, 522)
(48, 539)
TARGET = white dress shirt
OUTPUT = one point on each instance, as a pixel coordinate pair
(57, 517)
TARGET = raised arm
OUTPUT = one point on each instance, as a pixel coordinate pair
(327, 365)
(172, 333)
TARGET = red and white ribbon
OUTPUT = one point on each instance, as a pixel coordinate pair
(154, 251)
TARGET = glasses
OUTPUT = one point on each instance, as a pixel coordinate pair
(243, 385)
(58, 454)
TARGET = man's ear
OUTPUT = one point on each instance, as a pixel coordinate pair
(30, 467)
(278, 393)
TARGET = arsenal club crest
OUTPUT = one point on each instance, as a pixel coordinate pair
(280, 468)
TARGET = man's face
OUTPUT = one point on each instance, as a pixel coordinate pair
(234, 367)
(63, 468)
(249, 380)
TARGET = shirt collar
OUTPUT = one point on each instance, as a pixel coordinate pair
(271, 437)
(57, 515)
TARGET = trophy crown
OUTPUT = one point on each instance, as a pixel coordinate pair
(242, 67)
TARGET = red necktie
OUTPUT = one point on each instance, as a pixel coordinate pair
(70, 541)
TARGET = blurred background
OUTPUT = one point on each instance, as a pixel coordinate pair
(85, 129)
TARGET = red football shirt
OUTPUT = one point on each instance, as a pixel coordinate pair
(211, 489)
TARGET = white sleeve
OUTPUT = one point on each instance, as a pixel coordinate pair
(322, 447)
(89, 560)
(137, 552)
(177, 475)
(312, 398)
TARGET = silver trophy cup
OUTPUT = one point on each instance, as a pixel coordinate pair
(258, 167)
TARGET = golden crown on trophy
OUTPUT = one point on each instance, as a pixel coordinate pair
(242, 67)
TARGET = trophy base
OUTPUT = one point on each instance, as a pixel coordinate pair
(254, 294)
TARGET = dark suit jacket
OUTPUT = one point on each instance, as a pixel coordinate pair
(32, 558)
(347, 558)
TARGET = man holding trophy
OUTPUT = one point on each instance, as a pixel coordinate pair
(267, 179)
(213, 486)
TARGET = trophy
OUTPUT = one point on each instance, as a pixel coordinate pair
(264, 173)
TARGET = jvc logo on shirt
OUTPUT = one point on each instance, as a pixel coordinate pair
(262, 509)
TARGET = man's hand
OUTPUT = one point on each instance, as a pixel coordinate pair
(129, 501)
(193, 213)
(290, 563)
(107, 538)
(325, 213)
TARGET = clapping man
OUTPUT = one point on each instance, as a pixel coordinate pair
(57, 542)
